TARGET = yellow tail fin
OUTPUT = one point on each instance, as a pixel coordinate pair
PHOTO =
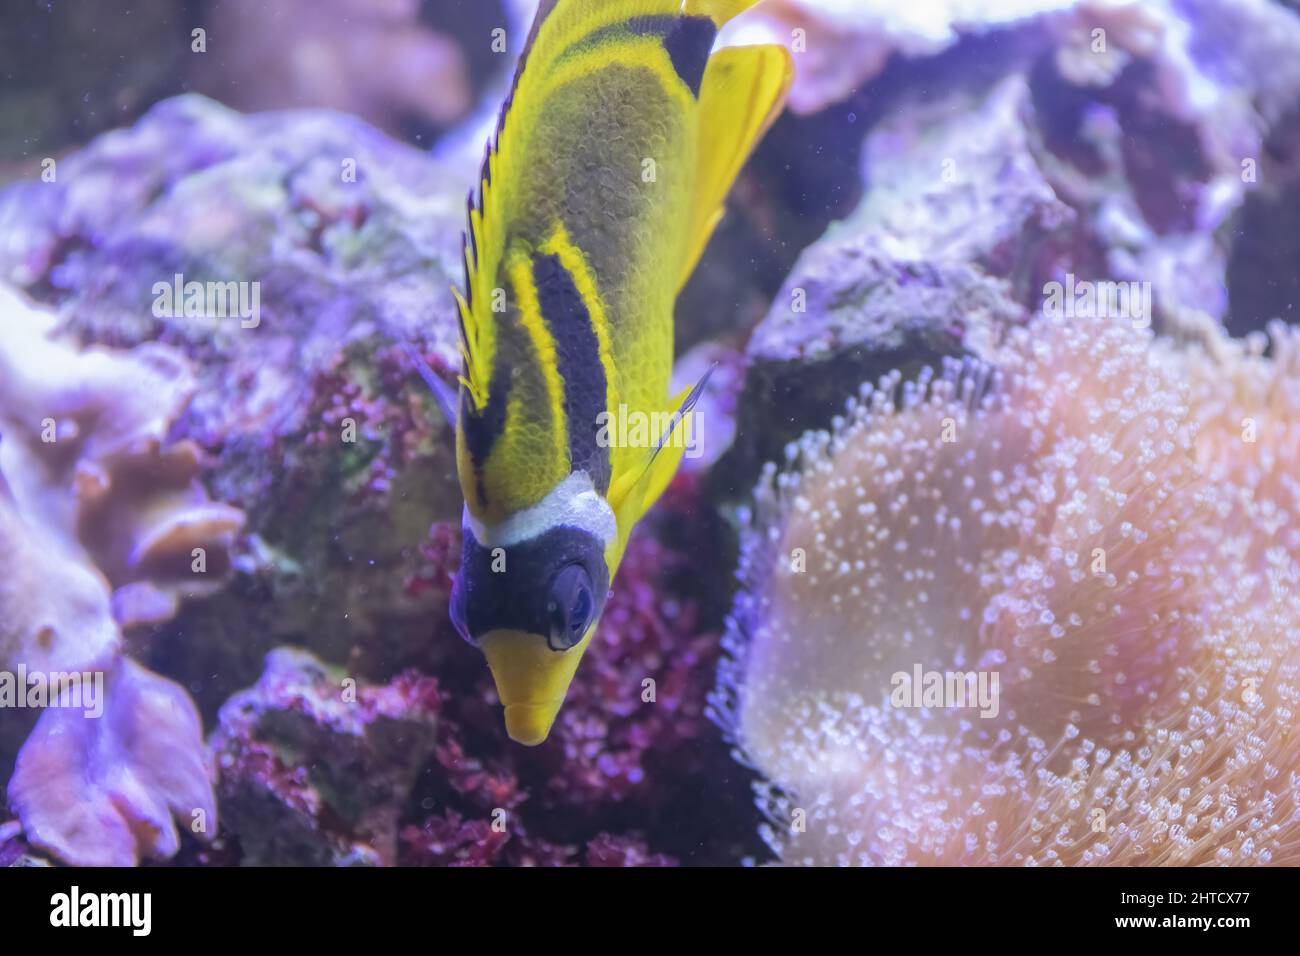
(743, 89)
(719, 11)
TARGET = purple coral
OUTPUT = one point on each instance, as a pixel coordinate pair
(107, 790)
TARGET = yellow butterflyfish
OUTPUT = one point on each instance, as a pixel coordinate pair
(606, 175)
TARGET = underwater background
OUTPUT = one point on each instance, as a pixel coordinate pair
(1004, 380)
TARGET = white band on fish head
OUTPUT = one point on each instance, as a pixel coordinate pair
(574, 503)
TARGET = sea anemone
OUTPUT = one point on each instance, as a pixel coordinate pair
(1107, 528)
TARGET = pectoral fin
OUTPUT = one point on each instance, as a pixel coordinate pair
(633, 493)
(443, 393)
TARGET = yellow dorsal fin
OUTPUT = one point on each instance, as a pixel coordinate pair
(743, 89)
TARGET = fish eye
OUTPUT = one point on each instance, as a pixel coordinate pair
(570, 606)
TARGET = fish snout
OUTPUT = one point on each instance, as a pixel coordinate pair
(530, 724)
(531, 680)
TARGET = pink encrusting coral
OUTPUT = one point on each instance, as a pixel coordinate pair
(1116, 546)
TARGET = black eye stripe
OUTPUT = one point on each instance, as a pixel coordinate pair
(519, 597)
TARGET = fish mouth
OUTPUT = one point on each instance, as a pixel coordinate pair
(531, 680)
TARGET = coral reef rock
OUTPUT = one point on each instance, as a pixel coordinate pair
(1157, 155)
(929, 264)
(103, 524)
(316, 767)
(324, 54)
(841, 45)
(308, 410)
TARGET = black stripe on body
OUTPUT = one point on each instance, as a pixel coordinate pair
(578, 362)
(688, 46)
(655, 25)
(465, 242)
(515, 598)
(483, 428)
(687, 40)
